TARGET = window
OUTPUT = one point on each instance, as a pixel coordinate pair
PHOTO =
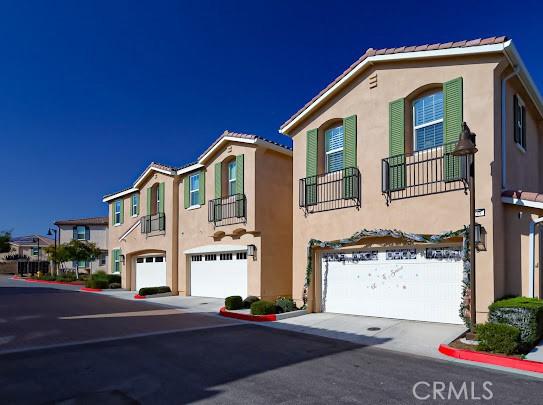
(148, 260)
(117, 261)
(232, 167)
(81, 264)
(102, 260)
(35, 251)
(139, 260)
(194, 189)
(159, 259)
(196, 258)
(519, 116)
(80, 232)
(428, 121)
(333, 142)
(210, 257)
(117, 208)
(226, 256)
(134, 208)
(242, 256)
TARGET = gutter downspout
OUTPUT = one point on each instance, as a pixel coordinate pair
(531, 280)
(504, 123)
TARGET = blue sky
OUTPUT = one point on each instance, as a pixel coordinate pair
(91, 92)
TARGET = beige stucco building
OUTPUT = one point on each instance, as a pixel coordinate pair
(372, 151)
(216, 227)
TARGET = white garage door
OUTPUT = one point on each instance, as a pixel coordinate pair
(150, 271)
(418, 284)
(218, 275)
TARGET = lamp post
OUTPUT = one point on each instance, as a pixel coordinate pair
(49, 233)
(38, 265)
(466, 147)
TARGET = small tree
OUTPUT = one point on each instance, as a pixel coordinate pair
(77, 251)
(5, 238)
(58, 255)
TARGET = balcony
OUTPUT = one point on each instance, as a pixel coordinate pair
(228, 210)
(153, 223)
(430, 171)
(330, 191)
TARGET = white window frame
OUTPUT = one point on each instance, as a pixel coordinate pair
(117, 262)
(195, 191)
(117, 213)
(521, 105)
(232, 190)
(327, 153)
(84, 232)
(135, 204)
(37, 251)
(426, 124)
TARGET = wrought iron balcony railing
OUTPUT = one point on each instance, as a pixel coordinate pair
(228, 210)
(429, 171)
(330, 191)
(153, 223)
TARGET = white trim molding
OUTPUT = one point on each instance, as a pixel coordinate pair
(119, 194)
(522, 203)
(129, 230)
(215, 249)
(531, 281)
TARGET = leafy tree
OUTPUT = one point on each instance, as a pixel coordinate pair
(77, 251)
(58, 255)
(5, 238)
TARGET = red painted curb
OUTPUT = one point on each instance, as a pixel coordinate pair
(88, 289)
(32, 280)
(139, 297)
(490, 358)
(246, 317)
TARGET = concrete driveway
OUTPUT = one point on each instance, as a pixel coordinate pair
(420, 338)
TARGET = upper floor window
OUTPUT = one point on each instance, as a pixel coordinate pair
(519, 116)
(117, 215)
(194, 189)
(134, 206)
(232, 168)
(35, 251)
(428, 121)
(80, 232)
(333, 141)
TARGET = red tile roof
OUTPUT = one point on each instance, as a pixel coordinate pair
(84, 221)
(402, 49)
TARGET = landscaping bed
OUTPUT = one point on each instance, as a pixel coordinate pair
(254, 309)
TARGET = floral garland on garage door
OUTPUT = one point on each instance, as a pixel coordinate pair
(412, 237)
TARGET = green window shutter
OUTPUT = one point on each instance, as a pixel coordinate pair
(122, 210)
(218, 180)
(138, 204)
(161, 198)
(202, 192)
(239, 174)
(452, 126)
(396, 145)
(350, 181)
(112, 261)
(112, 205)
(149, 202)
(311, 167)
(186, 191)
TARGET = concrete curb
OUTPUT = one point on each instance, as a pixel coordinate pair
(489, 358)
(32, 280)
(260, 318)
(142, 297)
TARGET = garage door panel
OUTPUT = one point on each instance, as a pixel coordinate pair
(416, 289)
(218, 278)
(150, 272)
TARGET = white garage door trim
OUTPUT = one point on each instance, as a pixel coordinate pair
(423, 284)
(216, 249)
(218, 275)
(150, 271)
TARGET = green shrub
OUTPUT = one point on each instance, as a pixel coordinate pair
(154, 290)
(285, 304)
(263, 308)
(114, 285)
(249, 300)
(96, 283)
(524, 313)
(101, 275)
(114, 278)
(233, 302)
(498, 338)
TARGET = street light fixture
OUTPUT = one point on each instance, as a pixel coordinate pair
(466, 147)
(49, 233)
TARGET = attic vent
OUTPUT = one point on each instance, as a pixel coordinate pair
(373, 81)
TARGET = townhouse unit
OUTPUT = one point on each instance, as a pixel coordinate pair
(381, 203)
(94, 230)
(216, 227)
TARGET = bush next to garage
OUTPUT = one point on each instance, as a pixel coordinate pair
(498, 338)
(233, 302)
(285, 304)
(154, 290)
(114, 285)
(249, 300)
(524, 313)
(96, 283)
(114, 278)
(263, 308)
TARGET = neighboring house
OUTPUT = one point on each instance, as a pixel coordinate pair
(217, 227)
(87, 229)
(372, 152)
(28, 247)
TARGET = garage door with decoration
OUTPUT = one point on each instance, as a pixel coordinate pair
(150, 271)
(218, 275)
(423, 284)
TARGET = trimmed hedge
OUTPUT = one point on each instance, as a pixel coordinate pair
(285, 304)
(114, 285)
(263, 308)
(233, 302)
(524, 313)
(96, 283)
(154, 290)
(498, 338)
(249, 300)
(114, 279)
